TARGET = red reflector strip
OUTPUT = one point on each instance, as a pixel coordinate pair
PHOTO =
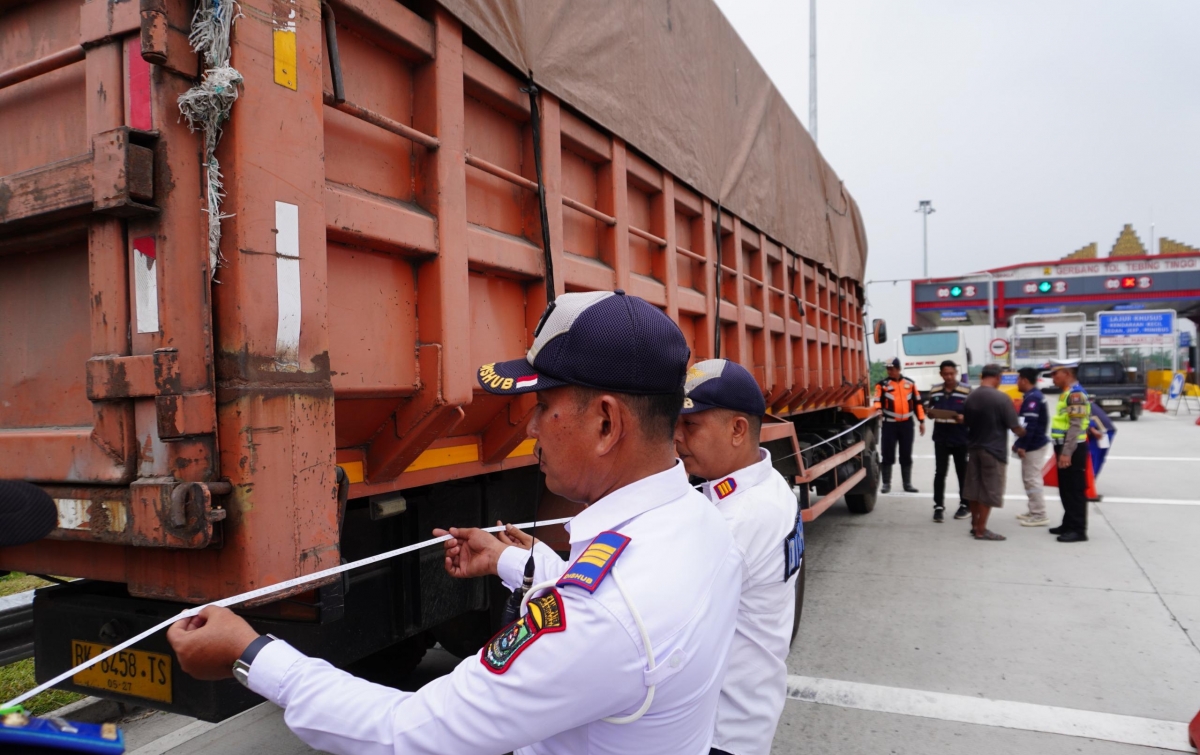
(139, 85)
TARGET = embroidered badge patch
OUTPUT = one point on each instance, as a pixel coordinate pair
(591, 567)
(545, 616)
(725, 487)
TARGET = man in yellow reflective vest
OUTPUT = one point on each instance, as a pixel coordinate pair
(1068, 430)
(899, 401)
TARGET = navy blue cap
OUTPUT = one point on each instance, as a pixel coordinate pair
(722, 384)
(894, 363)
(599, 339)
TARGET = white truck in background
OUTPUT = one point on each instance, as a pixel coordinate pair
(921, 353)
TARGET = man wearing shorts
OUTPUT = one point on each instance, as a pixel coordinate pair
(989, 415)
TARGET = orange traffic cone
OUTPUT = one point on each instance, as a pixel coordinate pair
(1154, 402)
(1050, 477)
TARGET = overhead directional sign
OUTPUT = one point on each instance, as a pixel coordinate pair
(1136, 328)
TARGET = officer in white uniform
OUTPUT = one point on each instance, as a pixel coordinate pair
(625, 650)
(718, 440)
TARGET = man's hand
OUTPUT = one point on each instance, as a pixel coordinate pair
(470, 552)
(1021, 452)
(959, 419)
(922, 428)
(1064, 461)
(513, 536)
(207, 644)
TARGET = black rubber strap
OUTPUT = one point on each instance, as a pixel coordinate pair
(248, 655)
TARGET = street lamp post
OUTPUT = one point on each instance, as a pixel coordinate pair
(925, 207)
(812, 69)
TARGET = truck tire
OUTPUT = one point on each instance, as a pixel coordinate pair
(1135, 411)
(799, 600)
(392, 665)
(861, 503)
(464, 635)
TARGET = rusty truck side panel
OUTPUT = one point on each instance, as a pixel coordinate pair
(381, 246)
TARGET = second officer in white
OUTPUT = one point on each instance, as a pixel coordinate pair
(718, 439)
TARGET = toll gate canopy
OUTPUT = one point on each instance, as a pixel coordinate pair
(1158, 282)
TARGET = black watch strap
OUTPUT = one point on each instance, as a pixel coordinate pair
(252, 650)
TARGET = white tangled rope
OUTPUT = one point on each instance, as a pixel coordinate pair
(207, 105)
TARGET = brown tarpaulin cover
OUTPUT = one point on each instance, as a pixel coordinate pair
(674, 80)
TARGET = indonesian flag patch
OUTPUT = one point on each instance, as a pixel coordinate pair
(545, 615)
(527, 382)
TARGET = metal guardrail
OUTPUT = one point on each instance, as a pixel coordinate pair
(16, 627)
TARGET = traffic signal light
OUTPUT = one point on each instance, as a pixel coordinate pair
(956, 291)
(1044, 287)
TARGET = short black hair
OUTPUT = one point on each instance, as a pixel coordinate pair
(1029, 373)
(991, 371)
(947, 363)
(656, 413)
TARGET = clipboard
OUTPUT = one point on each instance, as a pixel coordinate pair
(943, 414)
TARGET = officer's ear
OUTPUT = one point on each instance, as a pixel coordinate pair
(613, 416)
(740, 430)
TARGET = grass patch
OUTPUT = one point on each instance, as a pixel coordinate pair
(16, 678)
(16, 582)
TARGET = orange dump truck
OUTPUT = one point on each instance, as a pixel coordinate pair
(241, 353)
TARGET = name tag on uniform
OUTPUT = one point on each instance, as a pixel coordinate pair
(793, 549)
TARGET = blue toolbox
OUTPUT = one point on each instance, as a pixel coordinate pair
(21, 732)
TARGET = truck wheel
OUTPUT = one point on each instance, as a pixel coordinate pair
(1135, 411)
(799, 599)
(392, 665)
(860, 503)
(463, 635)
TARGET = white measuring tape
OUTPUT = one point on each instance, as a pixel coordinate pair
(260, 592)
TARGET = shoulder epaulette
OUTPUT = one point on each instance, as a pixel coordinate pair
(960, 388)
(593, 565)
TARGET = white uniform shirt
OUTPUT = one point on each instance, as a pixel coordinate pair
(760, 508)
(681, 571)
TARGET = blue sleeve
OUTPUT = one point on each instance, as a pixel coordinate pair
(1043, 420)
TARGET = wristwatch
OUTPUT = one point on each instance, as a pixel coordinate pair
(241, 667)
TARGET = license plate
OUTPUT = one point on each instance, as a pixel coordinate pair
(129, 672)
(1111, 402)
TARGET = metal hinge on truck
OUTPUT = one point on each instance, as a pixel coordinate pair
(111, 378)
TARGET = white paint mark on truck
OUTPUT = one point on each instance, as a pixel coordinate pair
(287, 278)
(145, 283)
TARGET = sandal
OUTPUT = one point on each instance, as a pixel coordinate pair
(989, 535)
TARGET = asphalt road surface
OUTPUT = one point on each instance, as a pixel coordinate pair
(916, 639)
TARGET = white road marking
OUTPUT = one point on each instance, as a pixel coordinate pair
(1050, 719)
(950, 494)
(176, 738)
(1124, 458)
(1152, 458)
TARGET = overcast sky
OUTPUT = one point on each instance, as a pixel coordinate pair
(1035, 127)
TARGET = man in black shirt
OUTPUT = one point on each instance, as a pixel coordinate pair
(989, 415)
(949, 438)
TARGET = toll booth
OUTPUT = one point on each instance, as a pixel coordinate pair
(1065, 297)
